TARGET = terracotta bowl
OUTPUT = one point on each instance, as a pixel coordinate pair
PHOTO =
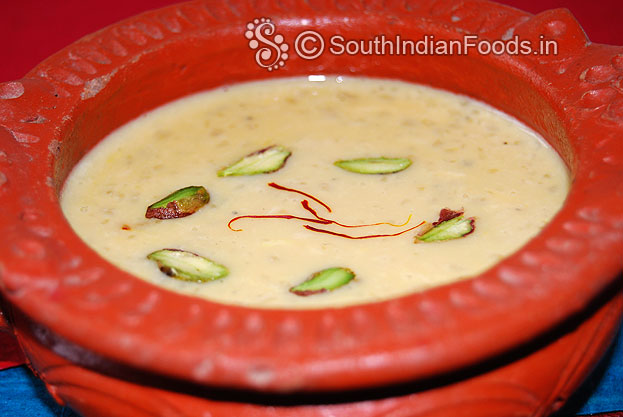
(516, 340)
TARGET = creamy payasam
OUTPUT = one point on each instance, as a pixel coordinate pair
(453, 152)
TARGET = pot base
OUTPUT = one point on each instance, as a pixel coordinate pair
(534, 380)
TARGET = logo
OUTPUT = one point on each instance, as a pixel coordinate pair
(271, 50)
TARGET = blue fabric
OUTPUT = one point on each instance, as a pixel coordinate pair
(23, 395)
(606, 384)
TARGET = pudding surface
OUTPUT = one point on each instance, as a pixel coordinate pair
(464, 156)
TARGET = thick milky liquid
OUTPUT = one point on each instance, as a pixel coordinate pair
(464, 155)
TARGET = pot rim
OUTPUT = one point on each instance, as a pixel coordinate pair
(47, 272)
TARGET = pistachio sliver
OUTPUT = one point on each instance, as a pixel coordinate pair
(187, 266)
(180, 203)
(451, 225)
(264, 161)
(380, 165)
(325, 280)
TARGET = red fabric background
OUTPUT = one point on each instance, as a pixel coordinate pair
(31, 30)
(10, 353)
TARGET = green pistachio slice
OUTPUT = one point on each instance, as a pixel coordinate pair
(264, 161)
(451, 225)
(187, 266)
(180, 203)
(325, 280)
(380, 165)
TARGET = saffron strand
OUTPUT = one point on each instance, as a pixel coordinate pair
(321, 220)
(307, 207)
(275, 216)
(314, 229)
(292, 190)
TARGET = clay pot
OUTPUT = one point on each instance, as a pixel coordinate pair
(516, 340)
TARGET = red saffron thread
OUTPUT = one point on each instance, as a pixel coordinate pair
(314, 229)
(306, 206)
(276, 216)
(281, 187)
(320, 220)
